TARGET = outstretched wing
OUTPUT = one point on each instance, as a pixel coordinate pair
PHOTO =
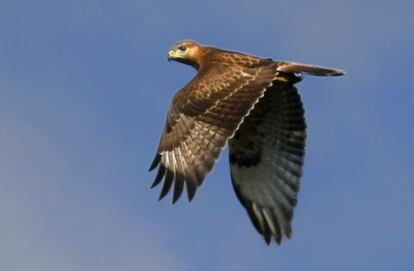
(203, 115)
(266, 157)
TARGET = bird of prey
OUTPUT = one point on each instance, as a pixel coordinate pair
(251, 103)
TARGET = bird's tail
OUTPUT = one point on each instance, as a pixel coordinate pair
(291, 67)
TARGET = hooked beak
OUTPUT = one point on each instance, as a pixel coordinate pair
(171, 54)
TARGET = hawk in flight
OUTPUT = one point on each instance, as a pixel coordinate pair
(251, 103)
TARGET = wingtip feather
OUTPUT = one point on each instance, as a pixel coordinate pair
(178, 186)
(160, 175)
(168, 181)
(155, 162)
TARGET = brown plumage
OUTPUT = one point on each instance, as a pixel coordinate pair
(252, 103)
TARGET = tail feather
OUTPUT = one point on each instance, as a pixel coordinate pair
(292, 67)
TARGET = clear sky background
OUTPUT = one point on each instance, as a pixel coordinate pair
(84, 89)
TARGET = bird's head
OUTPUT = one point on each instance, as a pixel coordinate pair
(187, 52)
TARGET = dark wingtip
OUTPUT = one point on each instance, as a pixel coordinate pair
(155, 162)
(191, 194)
(168, 181)
(178, 186)
(278, 239)
(267, 238)
(288, 231)
(191, 186)
(160, 175)
(163, 193)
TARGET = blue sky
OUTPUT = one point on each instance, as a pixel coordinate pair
(84, 89)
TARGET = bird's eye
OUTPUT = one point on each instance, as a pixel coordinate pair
(182, 48)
